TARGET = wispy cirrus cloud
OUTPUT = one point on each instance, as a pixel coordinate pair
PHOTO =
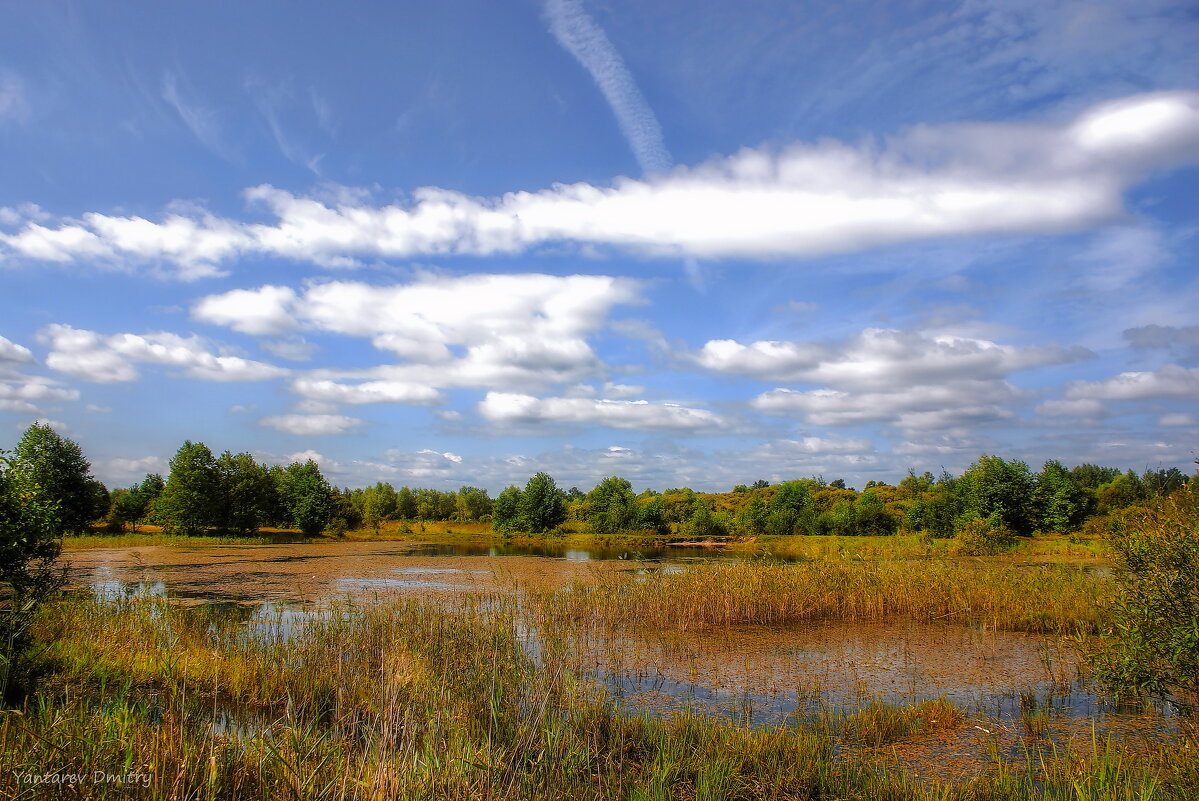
(202, 121)
(14, 98)
(579, 34)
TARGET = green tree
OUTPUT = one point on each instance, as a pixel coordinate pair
(30, 532)
(405, 504)
(1092, 476)
(57, 466)
(790, 501)
(307, 497)
(542, 505)
(1061, 503)
(378, 504)
(246, 493)
(30, 526)
(994, 486)
(612, 507)
(1121, 492)
(191, 499)
(873, 519)
(472, 504)
(651, 514)
(505, 511)
(751, 520)
(704, 524)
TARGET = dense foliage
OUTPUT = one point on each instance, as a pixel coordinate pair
(1151, 646)
(30, 528)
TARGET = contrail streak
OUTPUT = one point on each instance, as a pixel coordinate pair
(576, 31)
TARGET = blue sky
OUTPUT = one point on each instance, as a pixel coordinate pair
(690, 243)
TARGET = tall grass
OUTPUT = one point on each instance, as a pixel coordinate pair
(1045, 599)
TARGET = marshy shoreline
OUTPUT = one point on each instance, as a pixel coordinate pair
(527, 683)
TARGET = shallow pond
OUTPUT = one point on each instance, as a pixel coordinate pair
(320, 571)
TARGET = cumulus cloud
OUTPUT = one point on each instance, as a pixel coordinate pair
(366, 392)
(126, 468)
(25, 393)
(1170, 381)
(1178, 420)
(264, 311)
(925, 183)
(878, 359)
(13, 353)
(466, 331)
(916, 381)
(508, 407)
(578, 33)
(110, 359)
(307, 425)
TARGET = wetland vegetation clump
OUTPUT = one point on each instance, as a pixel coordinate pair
(1150, 644)
(983, 537)
(1045, 599)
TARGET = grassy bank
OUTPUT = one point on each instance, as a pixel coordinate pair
(403, 700)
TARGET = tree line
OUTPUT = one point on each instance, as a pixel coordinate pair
(994, 498)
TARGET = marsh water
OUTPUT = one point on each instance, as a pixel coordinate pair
(759, 675)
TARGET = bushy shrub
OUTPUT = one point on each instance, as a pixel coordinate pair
(983, 537)
(1151, 645)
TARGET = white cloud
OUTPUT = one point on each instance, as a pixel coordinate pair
(578, 33)
(11, 352)
(908, 406)
(879, 359)
(263, 312)
(305, 456)
(507, 407)
(109, 359)
(823, 445)
(307, 425)
(926, 183)
(1171, 381)
(126, 468)
(760, 359)
(1178, 420)
(22, 391)
(490, 331)
(366, 392)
